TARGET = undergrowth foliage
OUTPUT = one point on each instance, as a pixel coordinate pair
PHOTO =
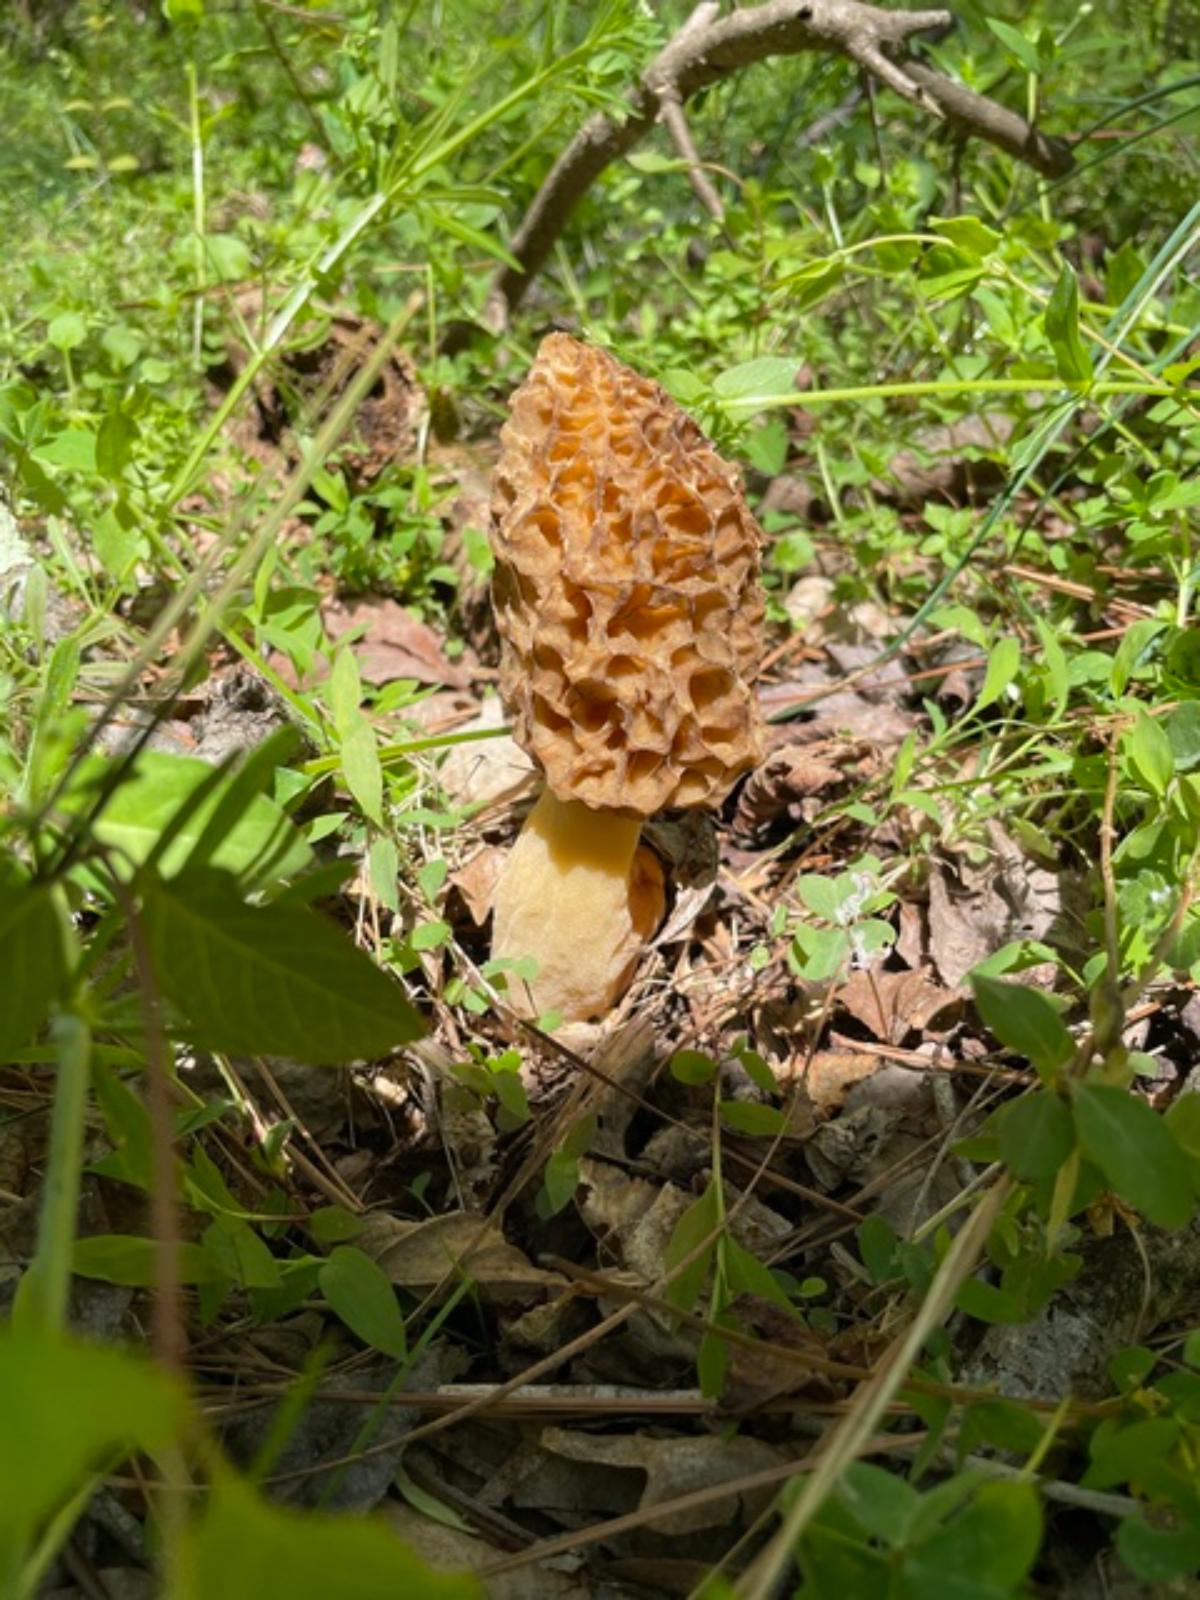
(250, 382)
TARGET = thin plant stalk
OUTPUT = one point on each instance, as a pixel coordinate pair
(42, 1303)
(196, 132)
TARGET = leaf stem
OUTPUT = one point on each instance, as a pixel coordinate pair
(938, 387)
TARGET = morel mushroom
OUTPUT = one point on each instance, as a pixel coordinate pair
(629, 607)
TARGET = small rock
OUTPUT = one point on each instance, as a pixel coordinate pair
(807, 599)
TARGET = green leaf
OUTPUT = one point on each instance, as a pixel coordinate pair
(881, 1503)
(1183, 731)
(361, 1293)
(383, 870)
(131, 1260)
(559, 1182)
(692, 1066)
(1062, 328)
(1130, 1453)
(68, 1407)
(820, 895)
(968, 235)
(362, 770)
(1004, 1424)
(1024, 50)
(33, 962)
(757, 1070)
(766, 449)
(820, 952)
(1183, 1119)
(1004, 661)
(67, 331)
(746, 1274)
(238, 1254)
(989, 1547)
(343, 691)
(1036, 1135)
(74, 448)
(1130, 1367)
(712, 1363)
(1158, 1555)
(1025, 1020)
(987, 1302)
(431, 877)
(476, 238)
(1137, 1155)
(275, 979)
(1151, 754)
(747, 1116)
(243, 1548)
(114, 443)
(122, 344)
(227, 256)
(696, 1224)
(116, 543)
(791, 552)
(1135, 649)
(262, 843)
(877, 1248)
(334, 1225)
(764, 376)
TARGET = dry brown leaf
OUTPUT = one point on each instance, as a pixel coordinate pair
(393, 644)
(891, 1004)
(688, 844)
(476, 879)
(486, 772)
(831, 1074)
(449, 1549)
(675, 1467)
(757, 1375)
(420, 1255)
(795, 772)
(659, 1575)
(632, 1217)
(974, 909)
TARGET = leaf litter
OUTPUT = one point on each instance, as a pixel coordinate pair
(830, 1102)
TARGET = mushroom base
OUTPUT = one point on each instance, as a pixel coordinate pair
(579, 896)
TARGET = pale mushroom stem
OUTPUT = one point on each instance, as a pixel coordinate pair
(577, 895)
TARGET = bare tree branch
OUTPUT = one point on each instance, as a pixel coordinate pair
(672, 117)
(673, 120)
(708, 48)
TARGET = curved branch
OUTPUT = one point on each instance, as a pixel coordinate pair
(706, 50)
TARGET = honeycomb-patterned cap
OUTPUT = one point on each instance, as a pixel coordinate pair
(626, 589)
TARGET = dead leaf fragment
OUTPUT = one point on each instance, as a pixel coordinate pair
(831, 1074)
(975, 908)
(675, 1467)
(486, 772)
(393, 644)
(476, 881)
(892, 1004)
(450, 1549)
(421, 1255)
(796, 772)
